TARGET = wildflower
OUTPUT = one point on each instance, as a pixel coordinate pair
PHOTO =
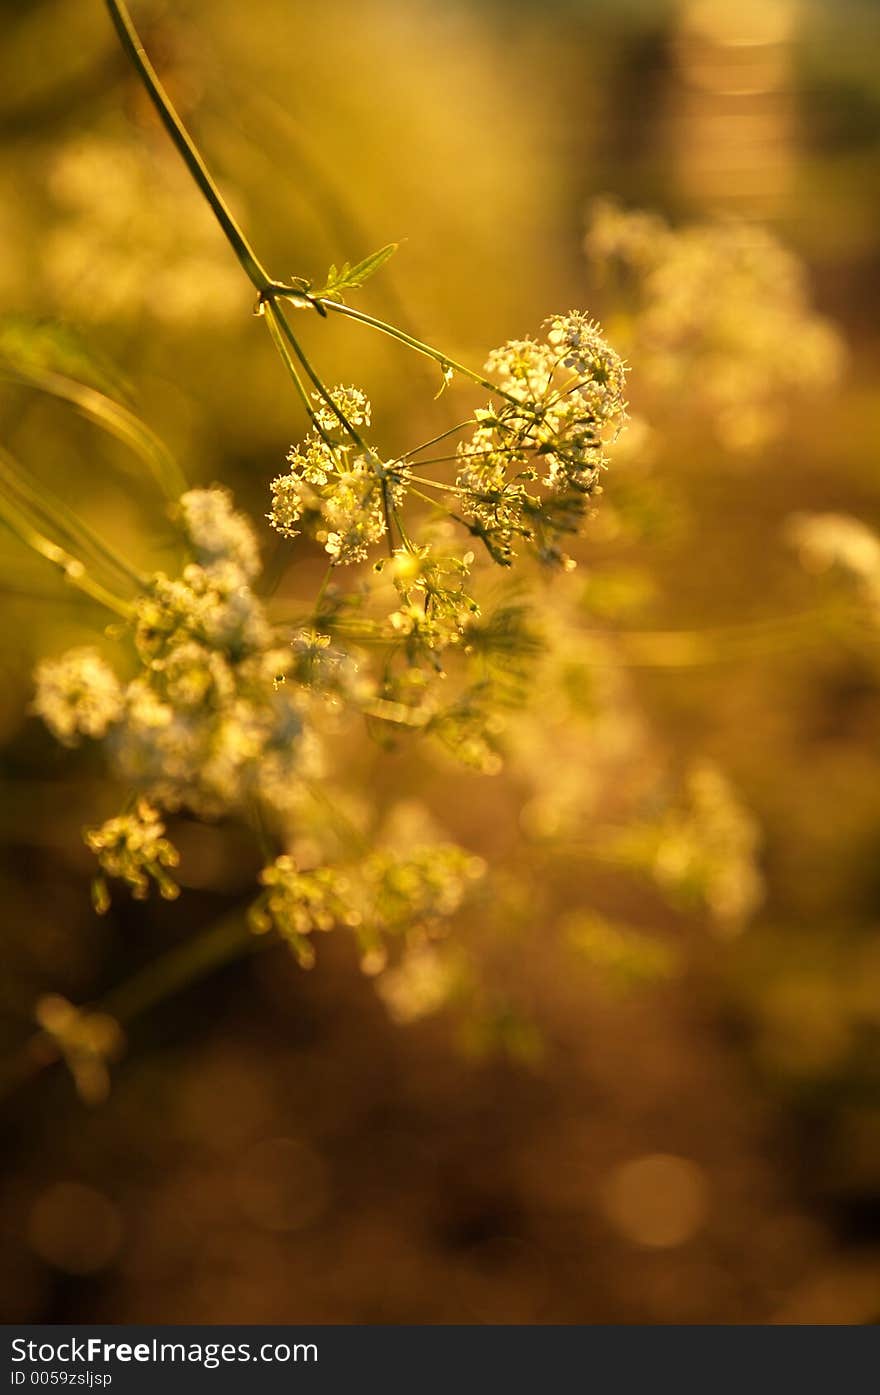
(722, 316)
(297, 902)
(355, 509)
(192, 675)
(211, 604)
(295, 493)
(88, 1042)
(77, 695)
(387, 893)
(218, 532)
(351, 404)
(524, 368)
(416, 889)
(133, 848)
(320, 666)
(204, 724)
(436, 610)
(563, 404)
(347, 499)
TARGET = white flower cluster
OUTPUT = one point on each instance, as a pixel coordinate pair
(219, 534)
(204, 724)
(336, 485)
(562, 401)
(721, 319)
(77, 695)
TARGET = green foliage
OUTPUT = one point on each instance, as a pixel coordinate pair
(349, 278)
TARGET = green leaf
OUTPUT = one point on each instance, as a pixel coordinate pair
(348, 277)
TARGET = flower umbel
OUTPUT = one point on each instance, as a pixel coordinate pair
(133, 848)
(77, 695)
(563, 403)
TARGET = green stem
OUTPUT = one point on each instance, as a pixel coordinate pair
(128, 37)
(451, 431)
(322, 591)
(225, 940)
(319, 386)
(269, 289)
(386, 510)
(437, 484)
(419, 347)
(273, 319)
(426, 498)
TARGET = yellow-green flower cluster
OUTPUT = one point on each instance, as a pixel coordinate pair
(134, 849)
(296, 902)
(388, 893)
(435, 610)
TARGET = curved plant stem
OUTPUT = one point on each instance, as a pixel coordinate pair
(250, 263)
(284, 325)
(273, 319)
(419, 347)
(16, 513)
(227, 939)
(47, 513)
(117, 420)
(269, 290)
(128, 37)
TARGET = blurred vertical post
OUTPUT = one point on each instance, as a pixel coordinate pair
(732, 126)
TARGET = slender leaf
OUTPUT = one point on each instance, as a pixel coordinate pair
(55, 531)
(53, 359)
(20, 519)
(348, 277)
